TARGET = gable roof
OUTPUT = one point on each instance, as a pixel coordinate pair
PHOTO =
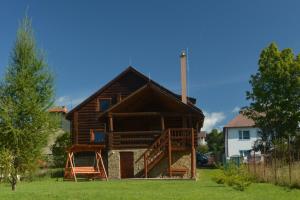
(155, 92)
(240, 121)
(122, 74)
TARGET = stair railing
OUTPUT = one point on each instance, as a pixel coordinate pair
(155, 150)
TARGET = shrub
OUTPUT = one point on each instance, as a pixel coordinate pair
(234, 176)
(202, 149)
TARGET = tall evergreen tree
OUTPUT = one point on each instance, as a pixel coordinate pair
(26, 93)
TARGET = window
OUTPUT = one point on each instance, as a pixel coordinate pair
(97, 136)
(104, 104)
(244, 135)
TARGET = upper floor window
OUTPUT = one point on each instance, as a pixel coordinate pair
(104, 104)
(244, 135)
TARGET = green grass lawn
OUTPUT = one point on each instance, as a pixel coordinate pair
(204, 188)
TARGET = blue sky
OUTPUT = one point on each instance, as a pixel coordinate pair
(87, 43)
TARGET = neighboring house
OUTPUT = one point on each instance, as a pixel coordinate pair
(61, 112)
(240, 135)
(145, 130)
(202, 138)
(64, 126)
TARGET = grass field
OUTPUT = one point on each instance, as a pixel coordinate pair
(204, 188)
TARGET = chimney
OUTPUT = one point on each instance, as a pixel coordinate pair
(183, 62)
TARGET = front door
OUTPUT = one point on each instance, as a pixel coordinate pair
(126, 165)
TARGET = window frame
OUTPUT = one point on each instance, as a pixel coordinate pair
(103, 98)
(241, 135)
(92, 135)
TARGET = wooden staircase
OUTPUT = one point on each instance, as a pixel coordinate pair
(177, 139)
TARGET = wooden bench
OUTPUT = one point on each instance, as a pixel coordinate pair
(178, 171)
(85, 170)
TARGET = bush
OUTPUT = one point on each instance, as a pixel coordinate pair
(59, 149)
(202, 149)
(234, 176)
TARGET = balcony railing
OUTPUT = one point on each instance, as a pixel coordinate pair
(132, 139)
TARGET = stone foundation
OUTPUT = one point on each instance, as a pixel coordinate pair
(179, 160)
(114, 162)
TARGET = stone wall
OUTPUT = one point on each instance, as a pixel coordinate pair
(114, 162)
(179, 160)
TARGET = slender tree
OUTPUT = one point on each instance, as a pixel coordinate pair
(275, 93)
(26, 93)
(215, 143)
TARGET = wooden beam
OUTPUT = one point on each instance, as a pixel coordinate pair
(197, 126)
(145, 166)
(170, 153)
(138, 132)
(162, 119)
(71, 156)
(111, 124)
(102, 164)
(184, 122)
(193, 156)
(76, 126)
(92, 136)
(149, 114)
(135, 114)
(190, 121)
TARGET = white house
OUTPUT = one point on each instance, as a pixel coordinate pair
(202, 138)
(240, 135)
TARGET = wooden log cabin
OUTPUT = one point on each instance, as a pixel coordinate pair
(142, 129)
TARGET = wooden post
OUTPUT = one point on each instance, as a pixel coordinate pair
(71, 155)
(111, 124)
(92, 136)
(193, 156)
(170, 153)
(190, 121)
(197, 127)
(76, 126)
(110, 140)
(67, 171)
(184, 122)
(145, 166)
(102, 165)
(162, 120)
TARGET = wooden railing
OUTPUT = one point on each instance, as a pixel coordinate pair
(136, 139)
(170, 140)
(181, 138)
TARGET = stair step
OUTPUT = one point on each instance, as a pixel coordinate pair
(156, 160)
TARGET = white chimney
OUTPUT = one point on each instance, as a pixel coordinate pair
(183, 63)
